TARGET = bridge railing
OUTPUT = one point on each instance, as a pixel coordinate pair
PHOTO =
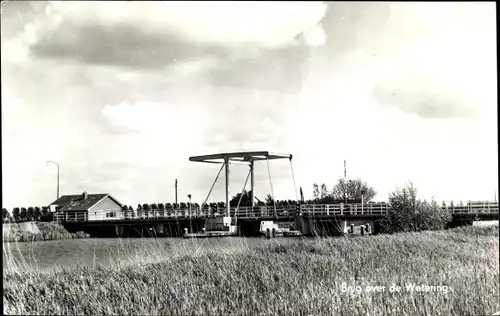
(383, 208)
(473, 207)
(261, 212)
(344, 209)
(194, 212)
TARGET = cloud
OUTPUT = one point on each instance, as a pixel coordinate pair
(436, 60)
(372, 83)
(218, 41)
(144, 116)
(152, 128)
(279, 69)
(180, 30)
(248, 120)
(353, 25)
(247, 135)
(443, 62)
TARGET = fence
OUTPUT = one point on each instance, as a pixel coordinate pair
(262, 212)
(347, 209)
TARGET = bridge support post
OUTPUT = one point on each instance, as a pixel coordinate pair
(159, 229)
(306, 226)
(118, 230)
(228, 208)
(252, 184)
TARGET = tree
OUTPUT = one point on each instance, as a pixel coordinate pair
(130, 208)
(245, 199)
(161, 206)
(139, 207)
(124, 207)
(49, 217)
(37, 213)
(168, 205)
(146, 207)
(269, 200)
(316, 191)
(324, 191)
(24, 214)
(30, 213)
(5, 215)
(16, 214)
(45, 213)
(407, 213)
(356, 190)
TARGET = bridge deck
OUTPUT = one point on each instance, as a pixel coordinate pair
(481, 210)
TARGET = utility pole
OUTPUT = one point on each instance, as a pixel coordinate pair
(345, 169)
(345, 182)
(175, 191)
(53, 162)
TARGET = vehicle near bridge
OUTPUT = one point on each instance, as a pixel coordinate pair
(271, 229)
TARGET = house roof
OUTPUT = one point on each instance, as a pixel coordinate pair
(77, 203)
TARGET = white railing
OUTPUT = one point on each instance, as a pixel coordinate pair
(473, 207)
(347, 209)
(477, 207)
(194, 212)
(261, 212)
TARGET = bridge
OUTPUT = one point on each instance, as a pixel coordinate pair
(306, 216)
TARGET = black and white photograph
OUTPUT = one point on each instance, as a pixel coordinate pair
(249, 158)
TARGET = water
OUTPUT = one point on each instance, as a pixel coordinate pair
(54, 255)
(66, 254)
(486, 223)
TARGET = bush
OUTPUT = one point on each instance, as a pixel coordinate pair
(407, 213)
(47, 231)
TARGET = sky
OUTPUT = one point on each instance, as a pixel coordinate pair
(121, 94)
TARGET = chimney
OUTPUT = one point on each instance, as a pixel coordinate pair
(84, 195)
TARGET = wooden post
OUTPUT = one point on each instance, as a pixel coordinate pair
(228, 208)
(362, 206)
(252, 184)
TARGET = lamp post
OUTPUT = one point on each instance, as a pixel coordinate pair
(190, 215)
(50, 161)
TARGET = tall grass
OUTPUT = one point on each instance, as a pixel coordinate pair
(300, 278)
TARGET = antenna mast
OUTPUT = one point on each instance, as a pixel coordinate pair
(345, 181)
(345, 170)
(175, 191)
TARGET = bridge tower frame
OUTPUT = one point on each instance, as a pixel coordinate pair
(247, 157)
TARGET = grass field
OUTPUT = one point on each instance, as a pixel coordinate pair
(299, 278)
